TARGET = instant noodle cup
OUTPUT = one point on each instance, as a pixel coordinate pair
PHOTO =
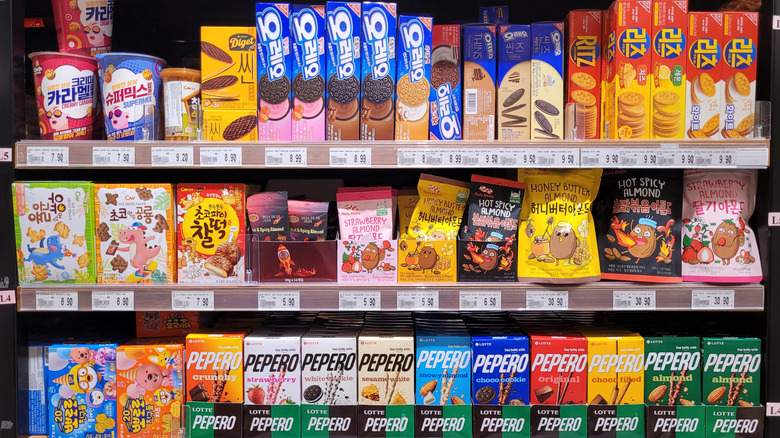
(130, 85)
(181, 92)
(66, 95)
(84, 27)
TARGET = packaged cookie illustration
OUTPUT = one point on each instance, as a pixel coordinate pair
(308, 72)
(414, 77)
(704, 82)
(377, 114)
(547, 81)
(54, 224)
(739, 69)
(557, 240)
(438, 214)
(274, 69)
(343, 82)
(211, 231)
(228, 60)
(134, 230)
(479, 82)
(718, 245)
(514, 76)
(583, 69)
(445, 96)
(639, 226)
(668, 76)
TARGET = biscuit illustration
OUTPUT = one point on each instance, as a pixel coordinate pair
(343, 91)
(543, 122)
(513, 98)
(118, 263)
(583, 80)
(239, 128)
(214, 52)
(50, 74)
(144, 194)
(378, 90)
(274, 92)
(413, 93)
(83, 260)
(147, 74)
(584, 97)
(546, 107)
(308, 90)
(219, 83)
(111, 198)
(707, 84)
(62, 229)
(443, 72)
(741, 83)
(35, 235)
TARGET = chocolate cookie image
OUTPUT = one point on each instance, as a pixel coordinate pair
(343, 91)
(514, 97)
(312, 394)
(342, 111)
(543, 122)
(274, 92)
(443, 72)
(308, 90)
(378, 90)
(485, 395)
(219, 83)
(239, 128)
(377, 111)
(215, 52)
(546, 107)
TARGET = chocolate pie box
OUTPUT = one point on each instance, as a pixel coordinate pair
(377, 114)
(228, 59)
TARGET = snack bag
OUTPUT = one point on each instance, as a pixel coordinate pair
(558, 239)
(308, 220)
(407, 201)
(366, 215)
(438, 214)
(268, 216)
(494, 209)
(639, 226)
(718, 244)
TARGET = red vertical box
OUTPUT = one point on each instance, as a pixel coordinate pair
(583, 68)
(559, 367)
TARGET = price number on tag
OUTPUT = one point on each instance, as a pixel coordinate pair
(114, 300)
(360, 300)
(725, 159)
(228, 157)
(48, 156)
(417, 300)
(57, 301)
(350, 157)
(480, 300)
(187, 300)
(178, 156)
(547, 300)
(712, 299)
(285, 157)
(279, 300)
(113, 156)
(633, 299)
(650, 159)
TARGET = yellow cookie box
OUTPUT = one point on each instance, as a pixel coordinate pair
(667, 77)
(427, 261)
(228, 62)
(615, 368)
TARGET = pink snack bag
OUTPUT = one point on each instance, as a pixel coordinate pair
(366, 215)
(718, 244)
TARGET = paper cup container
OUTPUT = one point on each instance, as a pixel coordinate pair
(181, 92)
(66, 92)
(84, 27)
(130, 86)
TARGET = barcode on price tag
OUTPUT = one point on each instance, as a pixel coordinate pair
(285, 157)
(480, 300)
(180, 156)
(56, 300)
(598, 157)
(507, 157)
(221, 156)
(712, 299)
(349, 300)
(418, 300)
(48, 156)
(633, 299)
(113, 156)
(192, 300)
(287, 300)
(408, 157)
(113, 300)
(350, 157)
(547, 300)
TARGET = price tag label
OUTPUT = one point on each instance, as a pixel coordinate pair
(287, 300)
(192, 300)
(113, 300)
(285, 157)
(6, 155)
(725, 158)
(557, 158)
(349, 300)
(712, 299)
(751, 157)
(480, 300)
(704, 158)
(350, 157)
(221, 156)
(113, 156)
(409, 157)
(469, 157)
(418, 300)
(683, 157)
(48, 156)
(629, 158)
(774, 219)
(507, 157)
(7, 297)
(180, 156)
(546, 300)
(633, 299)
(598, 157)
(56, 300)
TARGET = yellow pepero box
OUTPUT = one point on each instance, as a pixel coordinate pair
(615, 369)
(228, 62)
(667, 77)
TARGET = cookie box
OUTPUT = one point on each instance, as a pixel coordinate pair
(479, 82)
(386, 368)
(294, 262)
(624, 420)
(445, 97)
(230, 125)
(414, 77)
(583, 69)
(666, 421)
(308, 72)
(377, 113)
(487, 261)
(704, 82)
(228, 62)
(343, 75)
(547, 81)
(274, 69)
(570, 421)
(366, 261)
(514, 82)
(508, 421)
(215, 367)
(669, 60)
(740, 48)
(500, 369)
(427, 261)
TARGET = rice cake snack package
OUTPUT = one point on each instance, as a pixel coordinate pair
(667, 78)
(639, 230)
(439, 212)
(583, 68)
(557, 243)
(479, 82)
(134, 233)
(514, 82)
(445, 83)
(268, 216)
(414, 77)
(718, 245)
(343, 75)
(54, 226)
(704, 82)
(740, 49)
(274, 72)
(547, 81)
(377, 114)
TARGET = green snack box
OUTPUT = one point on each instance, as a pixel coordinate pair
(675, 422)
(731, 375)
(672, 371)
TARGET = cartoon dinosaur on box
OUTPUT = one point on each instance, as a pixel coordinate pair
(135, 236)
(44, 256)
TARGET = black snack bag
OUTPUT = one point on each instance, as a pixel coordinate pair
(493, 209)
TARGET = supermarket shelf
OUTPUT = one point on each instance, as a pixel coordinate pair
(389, 154)
(443, 296)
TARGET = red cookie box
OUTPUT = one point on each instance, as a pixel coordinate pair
(367, 261)
(583, 67)
(559, 359)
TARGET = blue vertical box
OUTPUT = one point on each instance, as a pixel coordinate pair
(34, 423)
(500, 369)
(274, 65)
(307, 27)
(443, 367)
(479, 82)
(414, 77)
(377, 119)
(494, 14)
(445, 98)
(547, 82)
(514, 82)
(343, 78)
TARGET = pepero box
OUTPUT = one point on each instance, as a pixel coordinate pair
(308, 72)
(740, 41)
(479, 82)
(366, 261)
(228, 58)
(514, 82)
(704, 82)
(615, 369)
(414, 77)
(274, 68)
(667, 77)
(343, 75)
(377, 113)
(547, 81)
(583, 69)
(215, 367)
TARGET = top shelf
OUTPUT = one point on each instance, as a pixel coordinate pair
(394, 154)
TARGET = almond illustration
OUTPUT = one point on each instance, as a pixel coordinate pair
(717, 394)
(685, 402)
(745, 404)
(455, 400)
(657, 394)
(429, 388)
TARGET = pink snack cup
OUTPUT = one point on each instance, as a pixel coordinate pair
(66, 92)
(84, 27)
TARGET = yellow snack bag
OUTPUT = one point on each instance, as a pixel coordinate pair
(440, 209)
(557, 242)
(407, 200)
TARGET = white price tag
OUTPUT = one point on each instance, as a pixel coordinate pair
(350, 157)
(628, 158)
(7, 297)
(192, 300)
(285, 157)
(113, 156)
(547, 300)
(464, 157)
(410, 157)
(180, 156)
(599, 157)
(418, 300)
(287, 300)
(704, 159)
(751, 157)
(6, 155)
(56, 300)
(360, 300)
(480, 300)
(48, 156)
(221, 156)
(712, 299)
(774, 219)
(679, 157)
(648, 157)
(724, 158)
(507, 157)
(113, 300)
(557, 158)
(633, 299)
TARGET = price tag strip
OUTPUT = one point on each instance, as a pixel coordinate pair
(709, 299)
(48, 156)
(349, 300)
(192, 300)
(180, 156)
(114, 156)
(633, 300)
(221, 156)
(350, 157)
(45, 300)
(287, 300)
(599, 157)
(480, 300)
(113, 300)
(285, 157)
(546, 300)
(417, 300)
